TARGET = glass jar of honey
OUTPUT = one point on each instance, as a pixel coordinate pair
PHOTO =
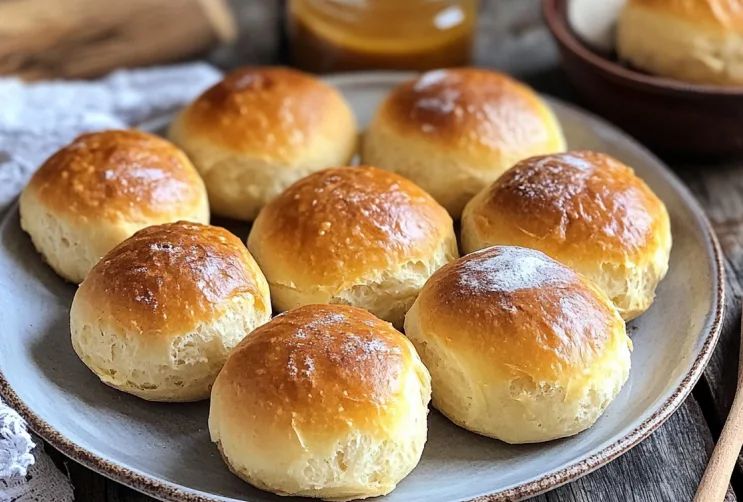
(348, 35)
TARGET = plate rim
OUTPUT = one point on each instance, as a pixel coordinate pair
(169, 491)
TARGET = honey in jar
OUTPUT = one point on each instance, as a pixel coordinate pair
(348, 35)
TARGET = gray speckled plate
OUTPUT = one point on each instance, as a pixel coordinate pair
(164, 449)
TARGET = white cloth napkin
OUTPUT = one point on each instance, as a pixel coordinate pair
(35, 120)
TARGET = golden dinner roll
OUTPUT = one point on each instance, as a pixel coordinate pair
(586, 210)
(258, 131)
(520, 347)
(157, 316)
(323, 401)
(455, 131)
(355, 236)
(100, 189)
(697, 41)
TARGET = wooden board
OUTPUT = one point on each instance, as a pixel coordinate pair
(719, 187)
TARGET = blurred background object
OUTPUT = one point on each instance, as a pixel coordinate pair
(41, 39)
(45, 39)
(342, 35)
(667, 114)
(595, 22)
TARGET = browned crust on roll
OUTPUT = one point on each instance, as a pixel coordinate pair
(117, 174)
(582, 203)
(470, 108)
(318, 367)
(272, 111)
(528, 313)
(338, 225)
(166, 279)
(725, 14)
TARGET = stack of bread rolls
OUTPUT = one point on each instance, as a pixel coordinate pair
(522, 339)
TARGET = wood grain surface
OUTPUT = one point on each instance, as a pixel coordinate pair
(719, 187)
(716, 478)
(668, 465)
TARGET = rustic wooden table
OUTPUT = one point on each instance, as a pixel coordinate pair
(669, 464)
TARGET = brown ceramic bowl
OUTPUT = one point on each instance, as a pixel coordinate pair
(665, 114)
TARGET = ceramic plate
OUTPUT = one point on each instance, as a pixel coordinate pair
(164, 449)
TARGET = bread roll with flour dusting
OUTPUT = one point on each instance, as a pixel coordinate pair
(354, 236)
(520, 348)
(698, 41)
(157, 316)
(258, 131)
(323, 401)
(586, 210)
(100, 189)
(453, 132)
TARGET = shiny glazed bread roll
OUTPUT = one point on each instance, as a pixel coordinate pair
(355, 236)
(258, 131)
(520, 348)
(697, 41)
(586, 210)
(323, 401)
(157, 316)
(100, 189)
(455, 131)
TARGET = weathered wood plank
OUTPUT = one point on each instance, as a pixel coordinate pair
(119, 493)
(88, 485)
(259, 36)
(720, 190)
(512, 37)
(666, 466)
